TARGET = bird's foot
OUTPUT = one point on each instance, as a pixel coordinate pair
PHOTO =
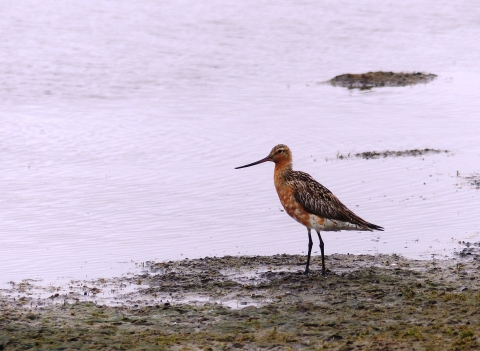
(324, 271)
(306, 271)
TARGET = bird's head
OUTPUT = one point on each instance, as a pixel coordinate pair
(279, 154)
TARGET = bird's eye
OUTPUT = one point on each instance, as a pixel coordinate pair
(279, 151)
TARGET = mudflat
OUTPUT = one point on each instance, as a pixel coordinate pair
(381, 302)
(381, 79)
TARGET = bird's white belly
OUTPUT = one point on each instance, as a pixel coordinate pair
(324, 224)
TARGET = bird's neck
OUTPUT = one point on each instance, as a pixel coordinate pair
(282, 168)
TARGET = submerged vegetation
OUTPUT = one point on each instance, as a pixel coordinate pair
(380, 79)
(382, 302)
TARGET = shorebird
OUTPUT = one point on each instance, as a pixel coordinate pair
(309, 202)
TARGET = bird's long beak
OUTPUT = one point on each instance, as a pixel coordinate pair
(268, 158)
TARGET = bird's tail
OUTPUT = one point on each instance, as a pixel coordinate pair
(374, 227)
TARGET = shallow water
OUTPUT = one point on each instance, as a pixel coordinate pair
(121, 125)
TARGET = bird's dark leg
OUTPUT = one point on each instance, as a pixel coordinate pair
(323, 252)
(310, 244)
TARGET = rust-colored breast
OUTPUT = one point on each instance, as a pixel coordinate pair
(291, 206)
(286, 190)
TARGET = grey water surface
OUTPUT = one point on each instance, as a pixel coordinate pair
(121, 123)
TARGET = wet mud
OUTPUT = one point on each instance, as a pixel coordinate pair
(469, 249)
(380, 79)
(382, 302)
(383, 154)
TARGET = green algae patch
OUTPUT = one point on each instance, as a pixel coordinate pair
(382, 302)
(380, 79)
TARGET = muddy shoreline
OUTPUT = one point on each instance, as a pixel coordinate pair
(381, 302)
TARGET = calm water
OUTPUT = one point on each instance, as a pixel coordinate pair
(122, 122)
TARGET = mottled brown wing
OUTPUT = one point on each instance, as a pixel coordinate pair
(318, 200)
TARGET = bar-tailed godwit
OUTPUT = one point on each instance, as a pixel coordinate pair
(309, 202)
